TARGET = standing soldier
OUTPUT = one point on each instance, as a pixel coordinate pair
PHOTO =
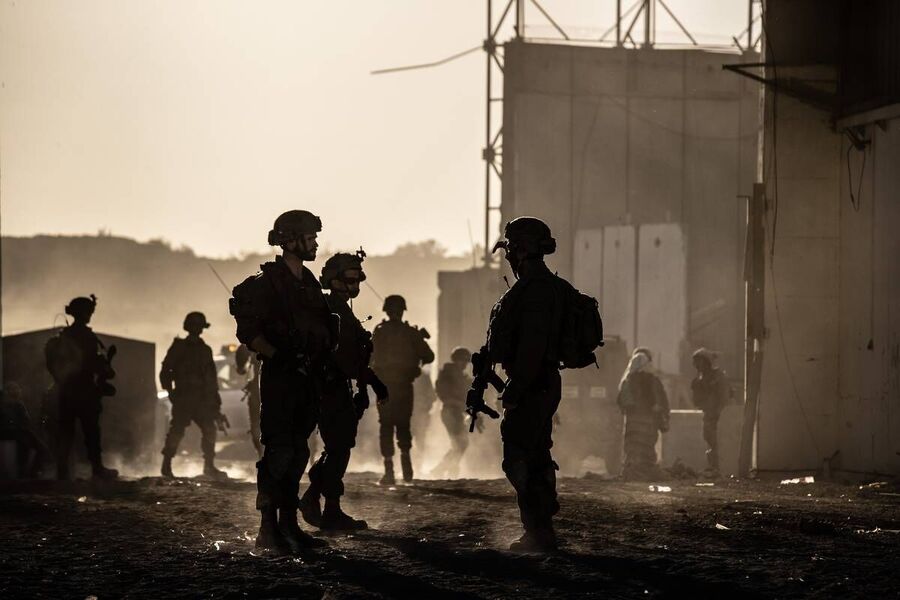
(400, 350)
(244, 358)
(710, 392)
(81, 373)
(642, 399)
(188, 373)
(282, 315)
(340, 409)
(452, 384)
(524, 336)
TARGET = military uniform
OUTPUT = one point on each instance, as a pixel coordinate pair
(338, 417)
(451, 386)
(79, 370)
(524, 338)
(710, 392)
(189, 372)
(399, 352)
(293, 316)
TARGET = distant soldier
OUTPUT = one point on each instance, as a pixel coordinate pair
(246, 362)
(188, 373)
(282, 315)
(710, 393)
(81, 373)
(340, 409)
(16, 426)
(642, 399)
(400, 351)
(452, 385)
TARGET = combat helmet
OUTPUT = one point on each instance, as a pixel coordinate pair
(461, 354)
(394, 301)
(81, 305)
(195, 319)
(291, 225)
(529, 234)
(337, 265)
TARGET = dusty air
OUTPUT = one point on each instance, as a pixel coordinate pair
(494, 299)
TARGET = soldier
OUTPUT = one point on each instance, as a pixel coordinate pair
(188, 373)
(81, 373)
(452, 384)
(244, 358)
(424, 398)
(710, 393)
(643, 401)
(340, 409)
(16, 426)
(400, 350)
(524, 337)
(282, 315)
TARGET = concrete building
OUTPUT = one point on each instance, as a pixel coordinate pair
(829, 395)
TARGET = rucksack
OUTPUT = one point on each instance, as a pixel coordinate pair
(581, 329)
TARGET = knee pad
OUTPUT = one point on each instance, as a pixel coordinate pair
(517, 474)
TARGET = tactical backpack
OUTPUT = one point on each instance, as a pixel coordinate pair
(581, 329)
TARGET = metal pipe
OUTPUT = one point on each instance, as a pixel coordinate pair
(618, 22)
(488, 48)
(749, 24)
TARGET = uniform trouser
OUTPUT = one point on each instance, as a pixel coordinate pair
(454, 419)
(253, 406)
(526, 432)
(641, 433)
(28, 445)
(395, 416)
(184, 411)
(337, 426)
(711, 437)
(85, 407)
(287, 418)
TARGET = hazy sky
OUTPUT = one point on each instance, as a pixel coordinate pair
(199, 121)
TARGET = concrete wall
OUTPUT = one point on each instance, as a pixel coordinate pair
(830, 382)
(598, 137)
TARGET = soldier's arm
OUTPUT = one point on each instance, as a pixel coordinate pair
(166, 371)
(533, 333)
(426, 354)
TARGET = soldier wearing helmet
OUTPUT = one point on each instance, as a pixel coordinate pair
(710, 392)
(81, 374)
(188, 374)
(282, 315)
(400, 350)
(340, 409)
(524, 337)
(452, 384)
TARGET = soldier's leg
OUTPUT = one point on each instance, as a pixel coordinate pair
(89, 415)
(386, 437)
(66, 433)
(403, 418)
(181, 418)
(526, 432)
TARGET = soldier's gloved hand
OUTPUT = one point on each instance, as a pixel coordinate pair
(361, 401)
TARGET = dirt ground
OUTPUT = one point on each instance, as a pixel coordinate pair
(151, 538)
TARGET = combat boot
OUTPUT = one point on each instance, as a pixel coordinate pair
(166, 469)
(297, 540)
(334, 518)
(210, 470)
(310, 508)
(388, 477)
(269, 537)
(102, 473)
(406, 467)
(539, 539)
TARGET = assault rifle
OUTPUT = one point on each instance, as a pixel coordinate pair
(483, 371)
